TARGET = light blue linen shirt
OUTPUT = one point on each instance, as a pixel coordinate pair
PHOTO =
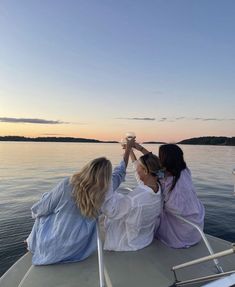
(60, 232)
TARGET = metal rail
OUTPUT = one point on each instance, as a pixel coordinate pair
(200, 260)
(216, 262)
(233, 172)
(205, 279)
(206, 258)
(100, 256)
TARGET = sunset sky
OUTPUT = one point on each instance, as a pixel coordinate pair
(99, 68)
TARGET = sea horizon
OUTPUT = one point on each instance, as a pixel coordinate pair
(203, 140)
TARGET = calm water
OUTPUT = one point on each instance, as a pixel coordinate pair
(29, 169)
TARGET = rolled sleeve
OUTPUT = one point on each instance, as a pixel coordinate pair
(114, 203)
(118, 175)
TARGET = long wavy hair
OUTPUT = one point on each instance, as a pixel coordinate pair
(172, 159)
(90, 186)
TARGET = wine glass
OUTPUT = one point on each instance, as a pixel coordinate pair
(123, 143)
(130, 135)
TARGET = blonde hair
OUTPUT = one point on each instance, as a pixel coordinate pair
(90, 186)
(151, 163)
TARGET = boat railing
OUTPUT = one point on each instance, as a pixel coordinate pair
(100, 255)
(233, 172)
(213, 256)
(208, 246)
(201, 260)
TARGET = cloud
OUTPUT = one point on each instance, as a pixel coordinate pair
(206, 119)
(30, 121)
(170, 119)
(162, 119)
(137, 119)
(180, 118)
(212, 119)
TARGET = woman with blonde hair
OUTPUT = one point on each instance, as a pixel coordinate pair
(65, 218)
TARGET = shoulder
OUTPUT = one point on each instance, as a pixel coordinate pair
(186, 172)
(182, 189)
(185, 178)
(64, 186)
(139, 190)
(167, 181)
(143, 195)
(64, 183)
(67, 180)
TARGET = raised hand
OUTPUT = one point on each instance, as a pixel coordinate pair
(140, 148)
(130, 142)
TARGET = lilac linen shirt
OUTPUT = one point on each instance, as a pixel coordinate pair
(183, 201)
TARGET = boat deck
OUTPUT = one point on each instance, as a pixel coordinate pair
(148, 267)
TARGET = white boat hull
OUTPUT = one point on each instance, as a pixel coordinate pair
(150, 266)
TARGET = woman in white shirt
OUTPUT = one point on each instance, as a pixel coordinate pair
(132, 218)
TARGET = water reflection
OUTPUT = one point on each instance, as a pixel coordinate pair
(29, 169)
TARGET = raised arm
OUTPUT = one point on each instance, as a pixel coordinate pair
(129, 145)
(134, 163)
(116, 204)
(119, 171)
(140, 148)
(133, 157)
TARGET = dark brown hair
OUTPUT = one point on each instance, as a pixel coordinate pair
(172, 159)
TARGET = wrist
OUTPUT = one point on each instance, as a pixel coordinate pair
(129, 145)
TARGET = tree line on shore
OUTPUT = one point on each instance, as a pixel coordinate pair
(51, 139)
(210, 140)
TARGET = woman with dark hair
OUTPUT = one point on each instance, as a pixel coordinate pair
(179, 198)
(172, 160)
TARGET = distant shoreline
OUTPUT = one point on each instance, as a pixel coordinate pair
(221, 141)
(52, 139)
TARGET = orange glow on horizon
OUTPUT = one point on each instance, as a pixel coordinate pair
(114, 131)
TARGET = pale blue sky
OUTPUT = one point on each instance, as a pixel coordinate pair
(97, 64)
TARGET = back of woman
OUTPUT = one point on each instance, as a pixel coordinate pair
(132, 218)
(132, 225)
(65, 218)
(144, 216)
(60, 233)
(180, 198)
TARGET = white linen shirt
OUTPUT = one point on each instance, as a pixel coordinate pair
(132, 218)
